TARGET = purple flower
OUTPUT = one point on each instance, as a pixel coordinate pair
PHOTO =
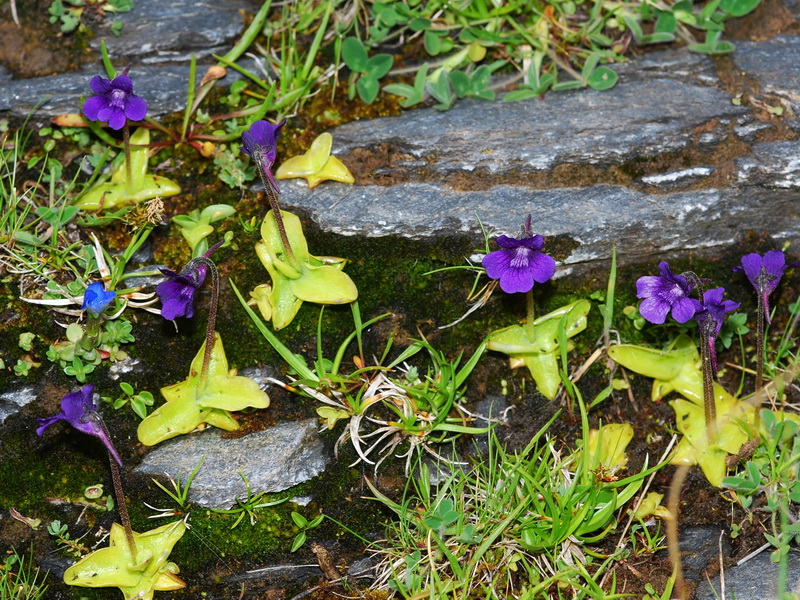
(177, 293)
(261, 143)
(79, 410)
(520, 263)
(711, 316)
(665, 293)
(96, 298)
(115, 102)
(764, 273)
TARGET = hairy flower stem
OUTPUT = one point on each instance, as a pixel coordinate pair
(276, 212)
(709, 402)
(212, 314)
(760, 344)
(126, 138)
(529, 323)
(122, 506)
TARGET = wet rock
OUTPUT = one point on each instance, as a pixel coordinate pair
(157, 32)
(11, 401)
(272, 460)
(756, 579)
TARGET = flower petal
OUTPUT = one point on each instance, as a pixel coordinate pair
(135, 108)
(496, 263)
(516, 280)
(92, 107)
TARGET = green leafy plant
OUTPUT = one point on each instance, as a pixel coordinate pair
(196, 226)
(505, 523)
(138, 402)
(305, 526)
(367, 71)
(768, 483)
(60, 531)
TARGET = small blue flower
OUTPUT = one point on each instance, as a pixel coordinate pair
(79, 410)
(261, 143)
(664, 293)
(115, 102)
(96, 298)
(520, 263)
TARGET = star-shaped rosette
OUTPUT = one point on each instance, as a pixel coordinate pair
(542, 354)
(316, 165)
(136, 577)
(192, 403)
(307, 279)
(679, 369)
(141, 187)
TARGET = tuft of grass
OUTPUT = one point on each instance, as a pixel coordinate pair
(19, 580)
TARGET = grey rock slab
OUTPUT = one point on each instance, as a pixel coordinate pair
(775, 64)
(631, 121)
(163, 87)
(771, 164)
(11, 401)
(273, 460)
(756, 579)
(671, 63)
(700, 547)
(159, 31)
(639, 223)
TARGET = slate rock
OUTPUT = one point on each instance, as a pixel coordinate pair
(775, 64)
(630, 121)
(163, 87)
(160, 32)
(640, 224)
(11, 401)
(700, 548)
(273, 460)
(756, 579)
(771, 164)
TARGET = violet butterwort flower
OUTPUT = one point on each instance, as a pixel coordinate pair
(96, 298)
(664, 293)
(711, 316)
(177, 293)
(115, 102)
(261, 142)
(764, 273)
(520, 263)
(79, 410)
